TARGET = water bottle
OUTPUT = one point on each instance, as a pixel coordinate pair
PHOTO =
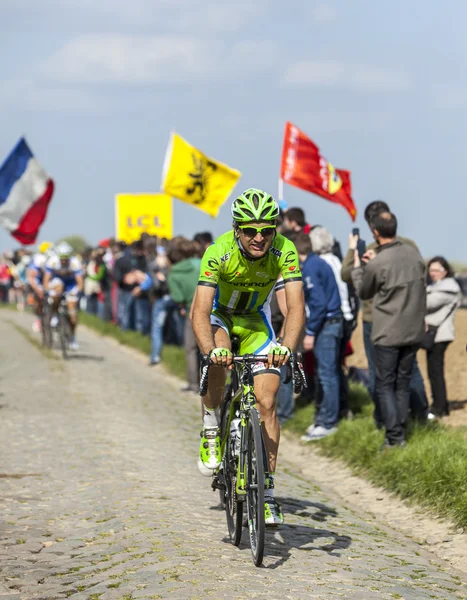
(235, 436)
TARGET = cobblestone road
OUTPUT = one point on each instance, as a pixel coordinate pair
(101, 499)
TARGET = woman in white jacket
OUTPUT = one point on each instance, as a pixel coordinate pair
(443, 297)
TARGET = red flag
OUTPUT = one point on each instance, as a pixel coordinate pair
(303, 166)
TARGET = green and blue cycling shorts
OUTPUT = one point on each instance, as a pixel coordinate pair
(254, 331)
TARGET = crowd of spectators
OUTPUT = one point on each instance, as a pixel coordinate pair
(148, 286)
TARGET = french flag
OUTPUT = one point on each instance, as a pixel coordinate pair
(25, 193)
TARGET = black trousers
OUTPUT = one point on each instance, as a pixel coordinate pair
(394, 366)
(435, 364)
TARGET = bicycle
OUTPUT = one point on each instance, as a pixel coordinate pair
(45, 316)
(62, 326)
(244, 470)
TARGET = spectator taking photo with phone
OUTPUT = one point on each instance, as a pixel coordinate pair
(393, 277)
(418, 398)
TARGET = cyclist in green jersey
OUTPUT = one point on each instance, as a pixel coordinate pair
(237, 278)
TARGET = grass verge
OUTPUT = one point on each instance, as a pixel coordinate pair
(173, 357)
(430, 471)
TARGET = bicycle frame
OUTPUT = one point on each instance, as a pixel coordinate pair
(244, 400)
(247, 400)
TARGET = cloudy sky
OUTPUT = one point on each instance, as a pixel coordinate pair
(97, 85)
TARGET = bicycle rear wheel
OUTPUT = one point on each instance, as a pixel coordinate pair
(255, 487)
(229, 499)
(233, 506)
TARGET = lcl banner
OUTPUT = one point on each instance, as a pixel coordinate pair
(138, 213)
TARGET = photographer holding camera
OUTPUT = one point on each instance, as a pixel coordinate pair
(393, 277)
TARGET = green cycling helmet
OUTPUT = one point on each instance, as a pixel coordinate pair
(254, 205)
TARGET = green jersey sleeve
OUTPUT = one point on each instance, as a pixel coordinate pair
(289, 263)
(210, 267)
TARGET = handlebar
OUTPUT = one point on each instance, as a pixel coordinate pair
(294, 369)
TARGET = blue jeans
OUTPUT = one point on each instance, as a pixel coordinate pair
(285, 399)
(418, 399)
(142, 308)
(133, 312)
(327, 354)
(160, 310)
(125, 309)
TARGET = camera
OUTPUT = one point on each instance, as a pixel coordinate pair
(361, 245)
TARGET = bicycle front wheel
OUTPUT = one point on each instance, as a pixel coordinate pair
(255, 487)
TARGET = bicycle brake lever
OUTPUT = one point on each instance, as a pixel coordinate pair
(289, 373)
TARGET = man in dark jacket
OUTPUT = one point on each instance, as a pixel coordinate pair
(133, 302)
(394, 277)
(323, 334)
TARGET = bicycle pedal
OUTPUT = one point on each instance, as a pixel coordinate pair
(217, 485)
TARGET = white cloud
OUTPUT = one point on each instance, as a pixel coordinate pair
(323, 13)
(154, 59)
(194, 16)
(338, 74)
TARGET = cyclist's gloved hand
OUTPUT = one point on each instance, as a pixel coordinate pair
(278, 356)
(221, 357)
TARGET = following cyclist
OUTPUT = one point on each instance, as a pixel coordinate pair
(35, 278)
(237, 278)
(64, 276)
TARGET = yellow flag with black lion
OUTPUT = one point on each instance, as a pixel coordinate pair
(191, 176)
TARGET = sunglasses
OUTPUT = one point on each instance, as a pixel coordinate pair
(252, 232)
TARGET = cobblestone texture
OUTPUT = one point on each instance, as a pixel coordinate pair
(101, 499)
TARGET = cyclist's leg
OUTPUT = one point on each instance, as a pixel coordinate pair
(38, 302)
(38, 306)
(217, 375)
(209, 452)
(55, 290)
(71, 298)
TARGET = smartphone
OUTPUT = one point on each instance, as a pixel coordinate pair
(361, 245)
